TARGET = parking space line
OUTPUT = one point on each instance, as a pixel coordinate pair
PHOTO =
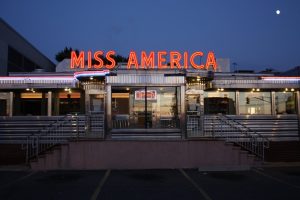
(275, 178)
(202, 191)
(17, 180)
(100, 185)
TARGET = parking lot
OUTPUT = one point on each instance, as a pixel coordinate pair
(268, 183)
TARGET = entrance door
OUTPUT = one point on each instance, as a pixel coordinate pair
(96, 117)
(145, 107)
(194, 115)
(96, 102)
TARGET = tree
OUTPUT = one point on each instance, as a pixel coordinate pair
(66, 53)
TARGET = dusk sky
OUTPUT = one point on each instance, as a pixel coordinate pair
(249, 32)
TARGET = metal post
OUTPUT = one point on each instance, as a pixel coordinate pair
(298, 109)
(182, 111)
(87, 102)
(201, 118)
(11, 103)
(273, 106)
(49, 111)
(77, 126)
(237, 102)
(108, 106)
(146, 111)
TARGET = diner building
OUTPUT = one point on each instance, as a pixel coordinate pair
(170, 103)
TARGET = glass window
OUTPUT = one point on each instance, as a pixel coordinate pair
(165, 108)
(128, 107)
(29, 66)
(32, 103)
(285, 103)
(219, 102)
(255, 103)
(4, 103)
(69, 103)
(15, 60)
(145, 107)
(97, 102)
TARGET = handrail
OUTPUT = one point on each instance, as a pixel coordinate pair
(240, 135)
(248, 129)
(49, 136)
(56, 132)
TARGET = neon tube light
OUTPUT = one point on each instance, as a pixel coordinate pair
(283, 78)
(34, 78)
(91, 73)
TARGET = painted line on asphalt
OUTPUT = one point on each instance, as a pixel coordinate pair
(202, 191)
(18, 180)
(100, 185)
(275, 178)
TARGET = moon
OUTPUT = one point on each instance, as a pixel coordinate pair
(278, 12)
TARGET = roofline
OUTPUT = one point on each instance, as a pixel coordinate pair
(12, 29)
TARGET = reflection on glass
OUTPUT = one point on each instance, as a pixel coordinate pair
(219, 102)
(255, 103)
(193, 104)
(164, 110)
(145, 107)
(96, 102)
(69, 102)
(285, 103)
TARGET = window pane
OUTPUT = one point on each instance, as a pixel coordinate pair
(96, 102)
(255, 103)
(127, 111)
(219, 102)
(164, 110)
(69, 103)
(150, 107)
(285, 103)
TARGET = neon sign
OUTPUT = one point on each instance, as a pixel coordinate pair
(146, 61)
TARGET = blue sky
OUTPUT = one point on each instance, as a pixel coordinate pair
(247, 31)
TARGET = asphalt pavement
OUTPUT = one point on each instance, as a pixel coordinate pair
(260, 183)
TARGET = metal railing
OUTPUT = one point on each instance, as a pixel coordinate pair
(194, 126)
(58, 132)
(96, 124)
(237, 133)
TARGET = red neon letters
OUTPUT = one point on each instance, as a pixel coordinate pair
(78, 61)
(147, 61)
